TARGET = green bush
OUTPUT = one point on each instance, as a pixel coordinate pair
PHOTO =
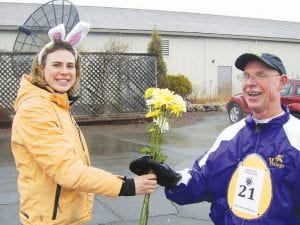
(180, 84)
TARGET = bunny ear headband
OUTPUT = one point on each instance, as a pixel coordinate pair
(75, 37)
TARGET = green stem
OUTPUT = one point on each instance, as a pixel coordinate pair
(155, 140)
(145, 210)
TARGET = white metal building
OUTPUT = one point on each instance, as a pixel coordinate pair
(203, 47)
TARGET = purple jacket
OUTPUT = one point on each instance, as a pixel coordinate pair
(277, 143)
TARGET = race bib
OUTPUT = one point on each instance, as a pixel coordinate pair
(250, 189)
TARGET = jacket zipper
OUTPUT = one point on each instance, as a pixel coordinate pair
(257, 131)
(78, 131)
(57, 194)
(79, 134)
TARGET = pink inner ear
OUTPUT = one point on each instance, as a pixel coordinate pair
(57, 36)
(75, 38)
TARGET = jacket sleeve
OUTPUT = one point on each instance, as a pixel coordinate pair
(50, 147)
(191, 188)
(195, 185)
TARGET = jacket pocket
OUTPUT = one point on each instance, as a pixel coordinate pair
(55, 207)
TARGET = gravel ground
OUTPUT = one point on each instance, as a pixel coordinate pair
(185, 120)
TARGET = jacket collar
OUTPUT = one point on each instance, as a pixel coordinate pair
(280, 120)
(28, 90)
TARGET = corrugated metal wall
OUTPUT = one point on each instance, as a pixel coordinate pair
(197, 57)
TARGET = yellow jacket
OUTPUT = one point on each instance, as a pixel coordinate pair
(55, 180)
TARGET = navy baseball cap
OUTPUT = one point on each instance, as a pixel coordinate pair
(271, 61)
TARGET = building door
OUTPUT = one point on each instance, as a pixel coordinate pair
(224, 82)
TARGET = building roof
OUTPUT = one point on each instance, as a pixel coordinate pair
(144, 21)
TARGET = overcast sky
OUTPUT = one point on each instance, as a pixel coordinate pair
(287, 10)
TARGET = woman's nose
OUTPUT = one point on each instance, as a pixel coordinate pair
(64, 70)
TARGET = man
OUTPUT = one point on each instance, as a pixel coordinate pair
(251, 173)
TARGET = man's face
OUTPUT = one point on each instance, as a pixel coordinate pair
(261, 89)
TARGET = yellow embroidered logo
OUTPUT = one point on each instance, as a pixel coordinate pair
(277, 161)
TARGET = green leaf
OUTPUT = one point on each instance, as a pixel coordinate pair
(145, 150)
(160, 157)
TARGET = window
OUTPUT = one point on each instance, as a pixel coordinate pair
(287, 90)
(298, 90)
(165, 47)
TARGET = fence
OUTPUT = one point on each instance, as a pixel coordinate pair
(111, 83)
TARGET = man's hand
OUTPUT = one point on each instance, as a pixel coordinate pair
(165, 175)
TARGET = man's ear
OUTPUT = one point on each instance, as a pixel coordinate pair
(283, 81)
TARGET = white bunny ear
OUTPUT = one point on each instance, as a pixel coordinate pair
(57, 33)
(78, 33)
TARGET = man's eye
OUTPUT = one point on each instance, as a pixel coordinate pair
(261, 75)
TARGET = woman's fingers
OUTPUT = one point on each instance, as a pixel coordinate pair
(145, 184)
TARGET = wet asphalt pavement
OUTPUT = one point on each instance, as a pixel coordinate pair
(113, 151)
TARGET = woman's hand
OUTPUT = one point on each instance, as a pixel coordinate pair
(145, 184)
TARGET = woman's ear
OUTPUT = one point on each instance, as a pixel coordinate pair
(41, 70)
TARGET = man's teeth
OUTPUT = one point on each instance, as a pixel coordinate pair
(253, 93)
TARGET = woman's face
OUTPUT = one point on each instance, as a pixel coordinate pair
(60, 71)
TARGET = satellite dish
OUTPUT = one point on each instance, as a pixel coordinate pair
(33, 34)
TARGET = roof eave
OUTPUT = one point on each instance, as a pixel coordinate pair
(176, 33)
(194, 34)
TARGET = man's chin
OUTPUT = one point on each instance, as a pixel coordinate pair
(255, 107)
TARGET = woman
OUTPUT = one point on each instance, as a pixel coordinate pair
(56, 179)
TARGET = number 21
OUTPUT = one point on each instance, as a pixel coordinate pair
(244, 190)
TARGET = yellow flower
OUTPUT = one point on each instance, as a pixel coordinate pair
(178, 106)
(149, 92)
(154, 113)
(163, 101)
(165, 96)
(162, 105)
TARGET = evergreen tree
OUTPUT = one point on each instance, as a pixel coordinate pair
(155, 47)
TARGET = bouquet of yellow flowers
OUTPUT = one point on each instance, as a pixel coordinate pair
(162, 104)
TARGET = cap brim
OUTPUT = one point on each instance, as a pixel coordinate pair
(244, 59)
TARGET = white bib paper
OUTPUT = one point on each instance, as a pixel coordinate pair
(248, 190)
